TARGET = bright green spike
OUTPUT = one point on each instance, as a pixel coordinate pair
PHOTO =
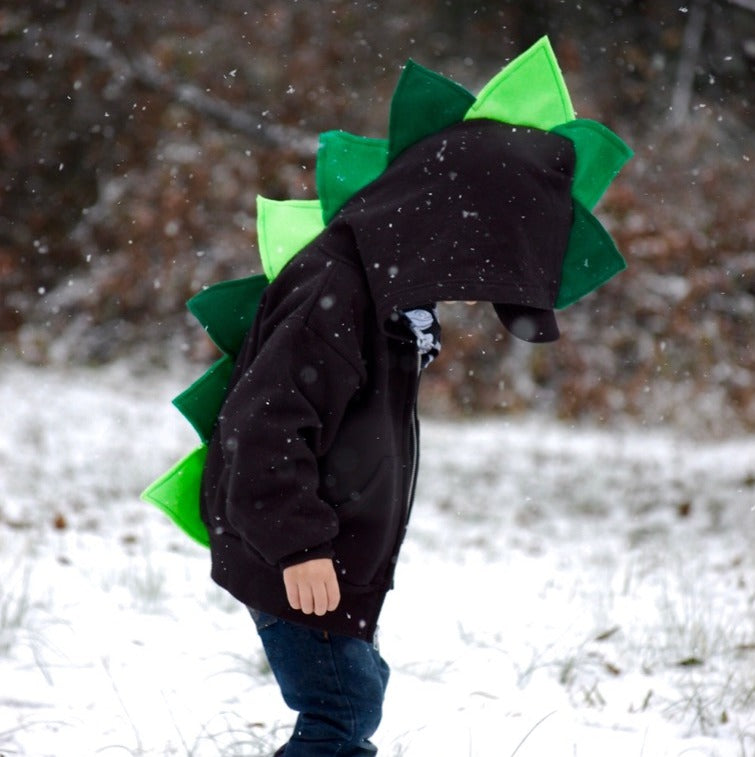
(201, 402)
(591, 258)
(345, 164)
(226, 310)
(424, 102)
(283, 228)
(176, 493)
(529, 91)
(600, 156)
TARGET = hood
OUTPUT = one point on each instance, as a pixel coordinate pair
(479, 211)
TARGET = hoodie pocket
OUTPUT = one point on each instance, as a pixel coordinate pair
(369, 525)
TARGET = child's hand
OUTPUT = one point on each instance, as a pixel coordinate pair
(312, 586)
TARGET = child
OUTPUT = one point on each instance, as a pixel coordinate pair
(311, 468)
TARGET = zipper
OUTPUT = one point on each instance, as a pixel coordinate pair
(414, 444)
(412, 478)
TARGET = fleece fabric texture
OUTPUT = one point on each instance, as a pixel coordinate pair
(315, 450)
(479, 211)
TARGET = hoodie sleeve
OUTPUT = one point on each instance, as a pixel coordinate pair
(277, 421)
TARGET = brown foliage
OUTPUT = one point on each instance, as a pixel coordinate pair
(134, 139)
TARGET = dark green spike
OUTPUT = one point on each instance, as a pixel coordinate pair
(176, 493)
(591, 257)
(201, 402)
(345, 164)
(600, 156)
(226, 310)
(423, 103)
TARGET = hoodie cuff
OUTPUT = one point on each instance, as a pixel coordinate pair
(312, 553)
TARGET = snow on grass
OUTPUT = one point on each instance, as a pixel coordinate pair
(563, 591)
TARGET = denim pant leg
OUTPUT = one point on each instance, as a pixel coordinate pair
(335, 683)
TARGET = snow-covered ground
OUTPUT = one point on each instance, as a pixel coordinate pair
(564, 591)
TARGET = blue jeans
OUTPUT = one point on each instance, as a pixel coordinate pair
(335, 683)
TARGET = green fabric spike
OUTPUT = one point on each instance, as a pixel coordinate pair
(176, 493)
(226, 310)
(600, 156)
(201, 402)
(529, 91)
(424, 102)
(283, 228)
(345, 164)
(591, 258)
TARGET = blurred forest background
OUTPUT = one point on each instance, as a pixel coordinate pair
(135, 136)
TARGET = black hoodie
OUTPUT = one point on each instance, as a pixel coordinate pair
(316, 447)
